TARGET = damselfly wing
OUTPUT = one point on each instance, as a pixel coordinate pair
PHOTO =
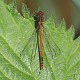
(37, 44)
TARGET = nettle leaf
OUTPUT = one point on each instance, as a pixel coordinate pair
(25, 10)
(18, 58)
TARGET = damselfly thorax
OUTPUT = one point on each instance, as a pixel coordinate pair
(39, 17)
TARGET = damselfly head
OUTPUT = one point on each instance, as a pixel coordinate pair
(39, 16)
(40, 13)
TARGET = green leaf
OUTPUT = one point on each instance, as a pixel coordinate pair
(19, 58)
(25, 11)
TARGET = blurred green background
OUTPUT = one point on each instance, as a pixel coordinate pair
(59, 9)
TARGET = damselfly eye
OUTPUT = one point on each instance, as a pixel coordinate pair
(37, 13)
(42, 13)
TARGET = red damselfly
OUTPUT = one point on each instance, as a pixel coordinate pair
(37, 40)
(39, 23)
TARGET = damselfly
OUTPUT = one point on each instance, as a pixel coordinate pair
(39, 35)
